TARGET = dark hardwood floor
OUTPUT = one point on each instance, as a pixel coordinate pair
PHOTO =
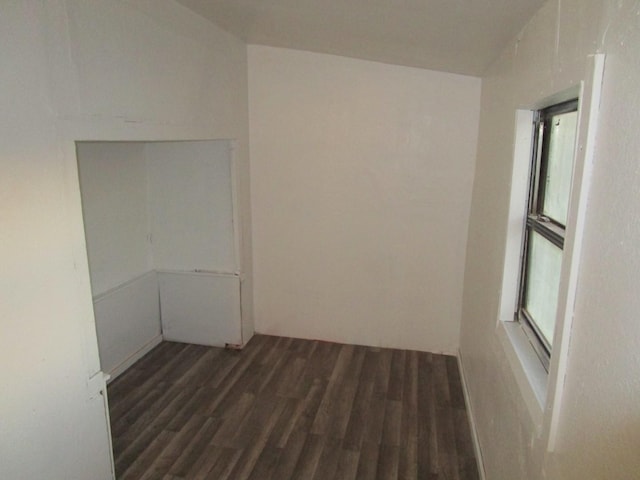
(286, 408)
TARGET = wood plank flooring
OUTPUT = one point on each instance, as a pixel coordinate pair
(286, 408)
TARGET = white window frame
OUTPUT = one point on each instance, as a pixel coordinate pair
(542, 391)
(549, 230)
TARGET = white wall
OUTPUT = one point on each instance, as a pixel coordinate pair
(86, 70)
(361, 185)
(114, 189)
(191, 202)
(598, 435)
(191, 205)
(113, 180)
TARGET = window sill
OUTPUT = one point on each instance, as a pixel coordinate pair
(526, 367)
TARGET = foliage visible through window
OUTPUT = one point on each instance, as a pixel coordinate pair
(550, 184)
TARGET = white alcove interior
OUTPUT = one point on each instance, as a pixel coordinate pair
(163, 247)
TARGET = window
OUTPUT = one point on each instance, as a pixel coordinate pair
(544, 235)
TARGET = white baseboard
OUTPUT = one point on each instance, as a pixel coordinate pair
(472, 420)
(146, 348)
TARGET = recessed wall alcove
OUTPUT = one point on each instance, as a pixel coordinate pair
(161, 228)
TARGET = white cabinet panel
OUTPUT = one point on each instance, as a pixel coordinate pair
(202, 308)
(127, 322)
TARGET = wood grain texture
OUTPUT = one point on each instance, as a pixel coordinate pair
(286, 408)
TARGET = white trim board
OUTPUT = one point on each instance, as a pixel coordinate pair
(472, 422)
(133, 358)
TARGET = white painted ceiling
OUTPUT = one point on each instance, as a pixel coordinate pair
(459, 36)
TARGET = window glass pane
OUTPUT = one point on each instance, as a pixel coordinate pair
(562, 134)
(543, 279)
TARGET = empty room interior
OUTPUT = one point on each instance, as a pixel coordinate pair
(320, 239)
